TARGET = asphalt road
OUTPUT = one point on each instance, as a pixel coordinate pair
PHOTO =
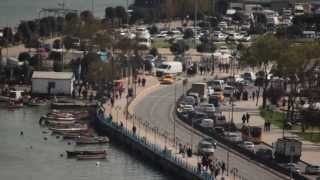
(157, 108)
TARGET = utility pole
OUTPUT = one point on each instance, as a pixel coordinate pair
(195, 21)
(174, 117)
(92, 6)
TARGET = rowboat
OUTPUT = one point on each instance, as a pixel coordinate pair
(63, 130)
(71, 154)
(91, 157)
(57, 118)
(92, 140)
(53, 122)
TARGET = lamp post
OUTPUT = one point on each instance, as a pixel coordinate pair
(117, 108)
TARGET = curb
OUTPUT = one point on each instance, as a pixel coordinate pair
(140, 95)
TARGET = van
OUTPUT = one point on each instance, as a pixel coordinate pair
(172, 68)
(15, 95)
(217, 85)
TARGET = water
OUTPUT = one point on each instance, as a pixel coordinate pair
(13, 11)
(20, 161)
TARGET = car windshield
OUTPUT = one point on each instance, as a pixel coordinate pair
(164, 66)
(207, 145)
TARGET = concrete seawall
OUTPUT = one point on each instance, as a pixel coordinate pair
(147, 150)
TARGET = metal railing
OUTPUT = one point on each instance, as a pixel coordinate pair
(154, 147)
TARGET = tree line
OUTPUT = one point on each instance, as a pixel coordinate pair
(297, 64)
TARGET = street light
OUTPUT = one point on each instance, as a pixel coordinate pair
(117, 108)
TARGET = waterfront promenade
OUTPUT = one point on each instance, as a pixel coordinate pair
(151, 133)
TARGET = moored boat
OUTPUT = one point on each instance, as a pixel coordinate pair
(71, 154)
(92, 140)
(66, 130)
(91, 157)
(58, 118)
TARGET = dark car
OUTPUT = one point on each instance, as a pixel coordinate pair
(264, 153)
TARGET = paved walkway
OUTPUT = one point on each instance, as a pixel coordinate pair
(310, 150)
(145, 129)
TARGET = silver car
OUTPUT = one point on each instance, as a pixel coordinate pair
(205, 148)
(311, 169)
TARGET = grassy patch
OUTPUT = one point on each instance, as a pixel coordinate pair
(309, 136)
(160, 43)
(276, 118)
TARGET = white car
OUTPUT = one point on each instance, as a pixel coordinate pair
(312, 169)
(233, 137)
(228, 91)
(235, 36)
(248, 145)
(218, 36)
(205, 148)
(206, 123)
(187, 108)
(208, 108)
(246, 38)
(210, 91)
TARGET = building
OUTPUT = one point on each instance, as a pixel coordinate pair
(52, 83)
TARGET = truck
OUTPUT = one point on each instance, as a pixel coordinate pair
(200, 88)
(287, 150)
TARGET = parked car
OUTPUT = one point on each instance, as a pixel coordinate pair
(206, 108)
(247, 145)
(218, 130)
(291, 167)
(219, 119)
(250, 76)
(228, 91)
(206, 123)
(235, 37)
(233, 137)
(187, 108)
(312, 169)
(205, 148)
(188, 100)
(265, 154)
(214, 142)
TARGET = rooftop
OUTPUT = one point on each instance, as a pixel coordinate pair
(51, 75)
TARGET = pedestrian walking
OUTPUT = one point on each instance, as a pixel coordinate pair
(112, 101)
(253, 95)
(139, 81)
(223, 168)
(243, 119)
(144, 81)
(247, 117)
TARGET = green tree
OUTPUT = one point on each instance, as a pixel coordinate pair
(264, 51)
(110, 14)
(121, 14)
(179, 47)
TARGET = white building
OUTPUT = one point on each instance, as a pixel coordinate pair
(54, 83)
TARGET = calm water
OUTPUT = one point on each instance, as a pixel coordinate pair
(19, 162)
(13, 11)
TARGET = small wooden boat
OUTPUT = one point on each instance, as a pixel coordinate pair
(92, 140)
(14, 105)
(57, 118)
(66, 130)
(53, 122)
(71, 154)
(91, 157)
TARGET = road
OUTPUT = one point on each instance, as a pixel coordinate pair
(157, 108)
